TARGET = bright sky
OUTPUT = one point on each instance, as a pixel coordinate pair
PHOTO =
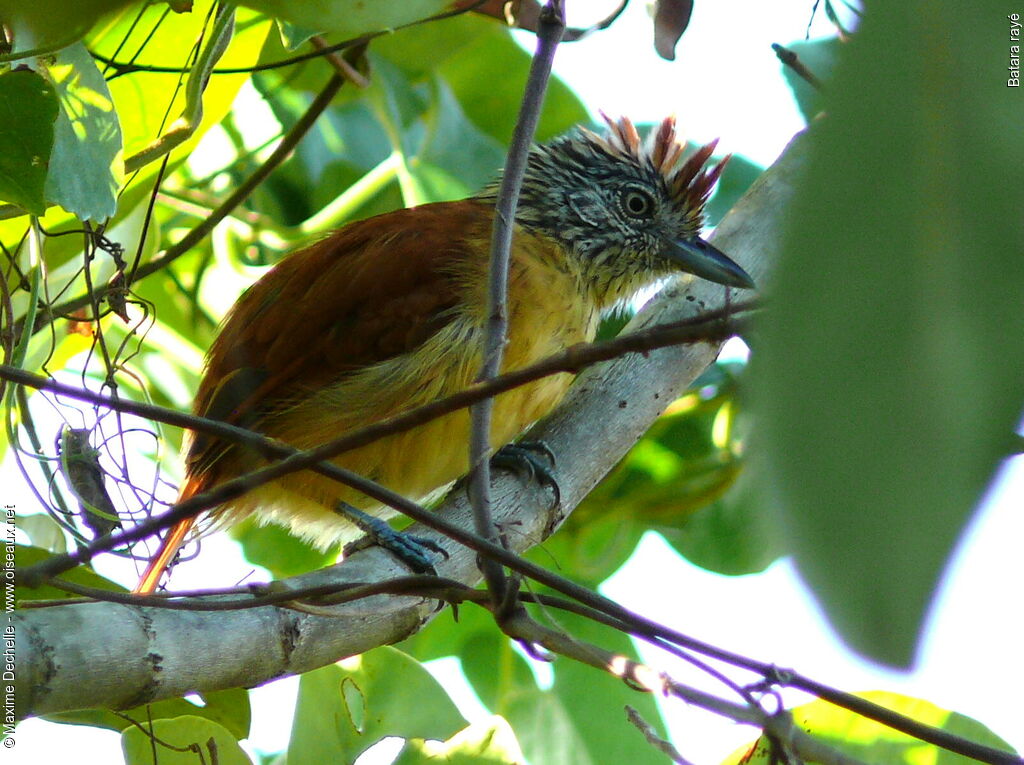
(726, 82)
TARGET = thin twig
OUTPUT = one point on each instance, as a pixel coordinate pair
(790, 59)
(549, 33)
(422, 585)
(641, 677)
(653, 738)
(340, 65)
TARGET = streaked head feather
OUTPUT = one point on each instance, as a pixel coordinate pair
(690, 182)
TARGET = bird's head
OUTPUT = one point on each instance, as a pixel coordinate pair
(627, 211)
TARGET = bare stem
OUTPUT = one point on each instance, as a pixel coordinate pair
(549, 33)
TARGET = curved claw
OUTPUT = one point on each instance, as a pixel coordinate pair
(524, 457)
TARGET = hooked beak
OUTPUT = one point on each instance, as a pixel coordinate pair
(703, 259)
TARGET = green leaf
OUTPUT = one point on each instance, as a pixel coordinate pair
(86, 168)
(43, 532)
(229, 709)
(181, 741)
(547, 731)
(446, 636)
(562, 726)
(487, 77)
(292, 36)
(27, 556)
(146, 102)
(819, 56)
(419, 51)
(488, 741)
(869, 741)
(889, 375)
(350, 18)
(142, 101)
(49, 25)
(28, 108)
(497, 673)
(455, 145)
(733, 535)
(278, 551)
(343, 709)
(685, 479)
(592, 547)
(597, 716)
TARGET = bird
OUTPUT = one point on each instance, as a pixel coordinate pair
(388, 313)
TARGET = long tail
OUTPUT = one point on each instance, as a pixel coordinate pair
(169, 547)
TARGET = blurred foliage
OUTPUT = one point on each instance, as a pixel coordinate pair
(433, 125)
(887, 379)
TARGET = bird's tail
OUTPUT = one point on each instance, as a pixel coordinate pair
(170, 545)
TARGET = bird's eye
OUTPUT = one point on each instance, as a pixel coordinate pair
(637, 203)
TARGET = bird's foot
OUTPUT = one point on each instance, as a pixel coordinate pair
(532, 460)
(414, 551)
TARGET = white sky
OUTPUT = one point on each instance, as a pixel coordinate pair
(726, 82)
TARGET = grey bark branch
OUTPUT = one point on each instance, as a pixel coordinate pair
(117, 656)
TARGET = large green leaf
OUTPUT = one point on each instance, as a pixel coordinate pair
(455, 145)
(448, 634)
(733, 535)
(419, 51)
(48, 25)
(488, 741)
(229, 709)
(579, 720)
(890, 373)
(869, 741)
(594, 701)
(275, 549)
(28, 108)
(349, 18)
(343, 709)
(487, 77)
(503, 681)
(181, 741)
(86, 168)
(83, 575)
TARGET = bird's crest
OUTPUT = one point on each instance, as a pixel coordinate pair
(689, 182)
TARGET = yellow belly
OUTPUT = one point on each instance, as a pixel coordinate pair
(419, 462)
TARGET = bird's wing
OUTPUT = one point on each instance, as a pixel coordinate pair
(373, 290)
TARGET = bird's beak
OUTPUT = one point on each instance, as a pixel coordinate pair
(703, 259)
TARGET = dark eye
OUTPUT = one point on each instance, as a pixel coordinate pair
(637, 203)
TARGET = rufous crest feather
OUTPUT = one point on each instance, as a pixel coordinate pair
(690, 182)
